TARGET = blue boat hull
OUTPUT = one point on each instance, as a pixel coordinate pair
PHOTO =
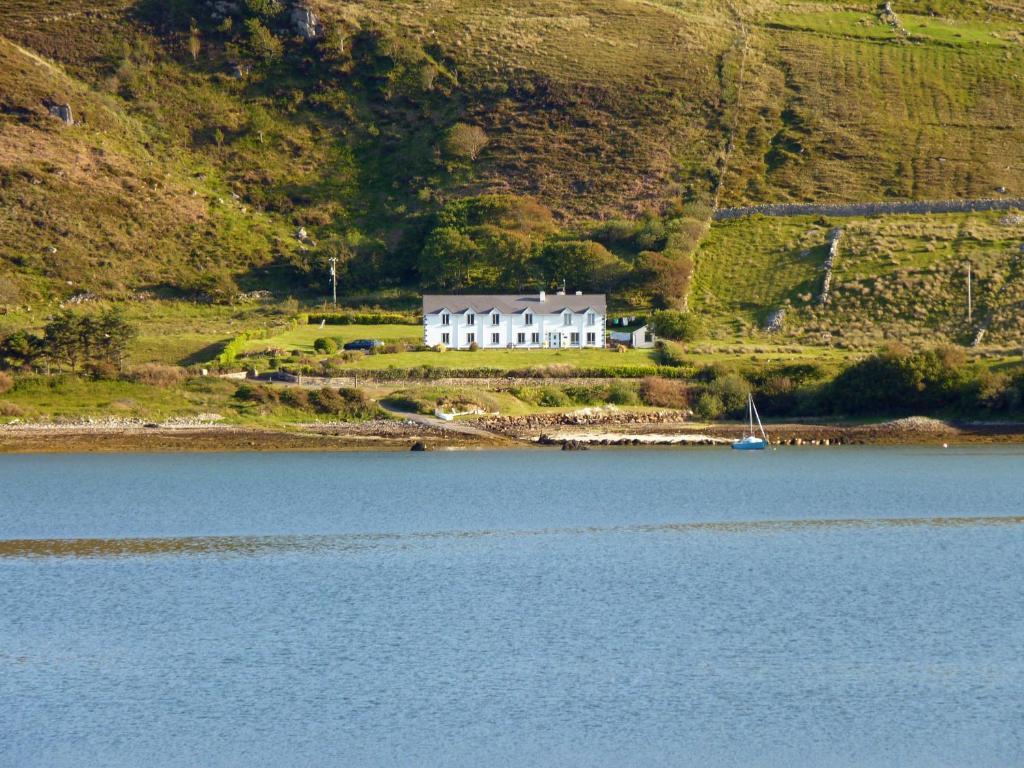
(750, 445)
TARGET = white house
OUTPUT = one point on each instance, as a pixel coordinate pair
(531, 321)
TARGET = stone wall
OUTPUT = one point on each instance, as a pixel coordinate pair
(869, 209)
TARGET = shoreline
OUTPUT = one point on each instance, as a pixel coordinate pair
(548, 431)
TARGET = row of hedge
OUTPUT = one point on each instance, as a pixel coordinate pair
(363, 318)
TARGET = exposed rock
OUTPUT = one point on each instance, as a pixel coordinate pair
(63, 111)
(419, 445)
(775, 319)
(306, 23)
(574, 445)
(300, 234)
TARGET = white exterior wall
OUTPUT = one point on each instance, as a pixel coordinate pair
(508, 329)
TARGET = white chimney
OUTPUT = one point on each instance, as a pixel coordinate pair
(543, 296)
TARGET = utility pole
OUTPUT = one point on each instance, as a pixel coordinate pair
(970, 302)
(334, 279)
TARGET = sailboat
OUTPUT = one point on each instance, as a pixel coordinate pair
(750, 441)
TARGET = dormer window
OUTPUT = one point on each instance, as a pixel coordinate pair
(495, 319)
(527, 319)
(567, 318)
(470, 318)
(446, 319)
(591, 318)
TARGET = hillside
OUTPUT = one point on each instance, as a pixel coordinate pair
(207, 134)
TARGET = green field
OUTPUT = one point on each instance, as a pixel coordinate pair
(303, 336)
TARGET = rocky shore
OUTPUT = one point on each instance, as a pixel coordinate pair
(589, 427)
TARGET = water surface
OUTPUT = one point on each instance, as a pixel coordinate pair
(852, 606)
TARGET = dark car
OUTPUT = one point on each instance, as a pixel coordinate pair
(366, 344)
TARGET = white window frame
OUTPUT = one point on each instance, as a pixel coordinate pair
(495, 338)
(591, 318)
(471, 338)
(567, 318)
(520, 338)
(446, 319)
(535, 338)
(574, 339)
(495, 318)
(470, 319)
(591, 337)
(528, 319)
(446, 339)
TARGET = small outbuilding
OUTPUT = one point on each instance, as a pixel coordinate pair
(632, 332)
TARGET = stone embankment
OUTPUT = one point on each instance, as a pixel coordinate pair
(869, 209)
(588, 417)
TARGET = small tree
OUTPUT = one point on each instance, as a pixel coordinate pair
(464, 141)
(679, 326)
(262, 43)
(194, 42)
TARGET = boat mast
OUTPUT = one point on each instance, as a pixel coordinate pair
(753, 409)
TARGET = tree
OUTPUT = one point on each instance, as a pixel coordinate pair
(464, 141)
(679, 326)
(263, 45)
(194, 42)
(666, 276)
(63, 339)
(580, 263)
(18, 350)
(113, 335)
(446, 258)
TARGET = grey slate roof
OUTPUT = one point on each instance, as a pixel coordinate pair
(512, 304)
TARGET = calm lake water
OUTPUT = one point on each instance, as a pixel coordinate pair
(840, 607)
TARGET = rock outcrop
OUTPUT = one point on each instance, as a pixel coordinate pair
(306, 23)
(63, 111)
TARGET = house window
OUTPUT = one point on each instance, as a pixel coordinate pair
(535, 338)
(495, 319)
(446, 339)
(527, 319)
(574, 339)
(567, 318)
(470, 319)
(495, 338)
(648, 337)
(520, 338)
(591, 338)
(591, 318)
(471, 338)
(446, 319)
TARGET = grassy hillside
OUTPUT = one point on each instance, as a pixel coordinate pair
(896, 277)
(203, 142)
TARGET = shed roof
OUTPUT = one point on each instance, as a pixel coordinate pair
(511, 304)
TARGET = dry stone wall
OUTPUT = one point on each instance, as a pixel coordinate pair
(870, 209)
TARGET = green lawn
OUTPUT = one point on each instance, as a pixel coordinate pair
(302, 338)
(507, 358)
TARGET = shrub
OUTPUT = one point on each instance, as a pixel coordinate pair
(664, 393)
(669, 353)
(10, 409)
(464, 141)
(474, 347)
(709, 406)
(102, 370)
(257, 394)
(679, 326)
(6, 382)
(440, 348)
(325, 346)
(621, 393)
(295, 397)
(732, 391)
(552, 397)
(346, 403)
(157, 374)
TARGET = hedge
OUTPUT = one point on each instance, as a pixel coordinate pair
(364, 318)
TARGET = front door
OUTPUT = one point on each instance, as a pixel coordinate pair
(554, 340)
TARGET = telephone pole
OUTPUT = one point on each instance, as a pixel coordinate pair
(334, 279)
